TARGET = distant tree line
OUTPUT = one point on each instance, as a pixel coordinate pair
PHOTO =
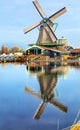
(6, 50)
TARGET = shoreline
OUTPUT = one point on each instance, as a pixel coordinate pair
(52, 60)
(39, 59)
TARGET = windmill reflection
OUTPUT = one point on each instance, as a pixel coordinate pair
(47, 77)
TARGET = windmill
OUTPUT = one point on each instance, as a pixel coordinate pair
(46, 34)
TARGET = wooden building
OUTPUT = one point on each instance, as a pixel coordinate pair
(36, 50)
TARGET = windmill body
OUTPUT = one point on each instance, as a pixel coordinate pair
(44, 36)
(46, 33)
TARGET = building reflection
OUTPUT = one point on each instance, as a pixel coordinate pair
(47, 76)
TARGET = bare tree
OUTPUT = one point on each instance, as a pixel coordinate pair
(5, 49)
(14, 49)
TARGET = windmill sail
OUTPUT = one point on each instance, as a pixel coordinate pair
(39, 9)
(26, 30)
(57, 14)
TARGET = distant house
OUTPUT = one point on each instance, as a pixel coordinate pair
(75, 52)
(36, 50)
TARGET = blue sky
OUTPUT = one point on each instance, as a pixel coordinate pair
(17, 14)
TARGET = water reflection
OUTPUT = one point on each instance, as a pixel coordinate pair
(17, 107)
(47, 76)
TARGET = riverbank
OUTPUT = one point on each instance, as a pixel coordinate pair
(12, 58)
(38, 59)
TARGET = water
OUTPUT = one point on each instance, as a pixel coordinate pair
(38, 98)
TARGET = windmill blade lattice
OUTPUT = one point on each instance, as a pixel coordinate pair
(57, 14)
(39, 9)
(51, 33)
(32, 27)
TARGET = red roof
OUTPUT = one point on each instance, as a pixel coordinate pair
(75, 50)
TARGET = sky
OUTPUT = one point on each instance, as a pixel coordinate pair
(18, 14)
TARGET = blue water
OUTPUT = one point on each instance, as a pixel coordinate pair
(18, 106)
